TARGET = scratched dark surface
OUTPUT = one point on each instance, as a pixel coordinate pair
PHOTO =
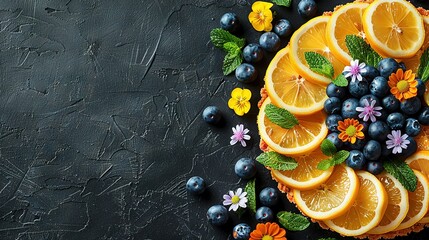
(100, 119)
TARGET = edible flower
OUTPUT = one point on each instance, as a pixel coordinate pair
(369, 111)
(261, 16)
(354, 70)
(268, 231)
(403, 85)
(236, 200)
(239, 135)
(350, 129)
(239, 101)
(397, 141)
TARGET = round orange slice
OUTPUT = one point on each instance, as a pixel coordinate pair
(422, 139)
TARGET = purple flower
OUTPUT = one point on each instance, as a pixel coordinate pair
(397, 141)
(369, 111)
(354, 70)
(240, 134)
(237, 199)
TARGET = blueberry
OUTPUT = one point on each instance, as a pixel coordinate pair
(359, 88)
(379, 87)
(283, 28)
(253, 53)
(212, 115)
(196, 185)
(378, 131)
(268, 196)
(358, 145)
(385, 151)
(395, 120)
(411, 148)
(369, 98)
(387, 66)
(245, 168)
(333, 137)
(246, 73)
(349, 108)
(264, 214)
(332, 105)
(402, 65)
(390, 103)
(421, 87)
(217, 215)
(356, 160)
(375, 167)
(332, 122)
(372, 150)
(370, 72)
(241, 231)
(269, 41)
(424, 116)
(307, 8)
(365, 126)
(333, 90)
(230, 22)
(412, 127)
(411, 106)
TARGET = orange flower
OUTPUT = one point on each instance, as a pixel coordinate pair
(403, 85)
(350, 129)
(268, 231)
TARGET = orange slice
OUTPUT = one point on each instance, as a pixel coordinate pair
(289, 90)
(422, 139)
(311, 37)
(302, 138)
(394, 28)
(306, 176)
(331, 199)
(346, 20)
(366, 211)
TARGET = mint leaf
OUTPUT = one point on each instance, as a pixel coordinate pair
(401, 171)
(231, 61)
(251, 195)
(277, 161)
(328, 148)
(231, 47)
(423, 72)
(325, 164)
(285, 3)
(340, 156)
(362, 51)
(340, 81)
(219, 37)
(292, 221)
(319, 64)
(280, 116)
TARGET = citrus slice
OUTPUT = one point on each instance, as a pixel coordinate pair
(422, 139)
(311, 37)
(394, 28)
(366, 211)
(289, 90)
(418, 201)
(397, 206)
(302, 138)
(331, 199)
(346, 20)
(306, 176)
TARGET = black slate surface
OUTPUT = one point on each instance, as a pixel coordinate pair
(100, 119)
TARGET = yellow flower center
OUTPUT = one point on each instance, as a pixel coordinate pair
(267, 237)
(235, 200)
(402, 85)
(351, 130)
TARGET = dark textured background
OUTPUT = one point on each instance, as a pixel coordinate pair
(100, 119)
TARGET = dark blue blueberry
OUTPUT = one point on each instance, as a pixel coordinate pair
(332, 105)
(268, 196)
(245, 168)
(369, 98)
(230, 22)
(333, 90)
(241, 231)
(264, 214)
(283, 28)
(196, 185)
(410, 150)
(378, 131)
(212, 115)
(365, 126)
(370, 72)
(375, 167)
(333, 137)
(387, 66)
(269, 41)
(421, 87)
(424, 116)
(412, 127)
(332, 122)
(379, 87)
(217, 215)
(411, 106)
(307, 8)
(390, 103)
(383, 116)
(349, 108)
(395, 120)
(358, 145)
(246, 73)
(402, 65)
(253, 53)
(356, 160)
(385, 151)
(372, 150)
(359, 88)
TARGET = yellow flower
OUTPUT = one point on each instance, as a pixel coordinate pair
(239, 101)
(350, 129)
(403, 85)
(261, 16)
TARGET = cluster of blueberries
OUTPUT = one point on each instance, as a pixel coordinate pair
(407, 116)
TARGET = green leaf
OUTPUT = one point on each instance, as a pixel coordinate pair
(292, 221)
(277, 161)
(251, 195)
(285, 3)
(231, 61)
(219, 37)
(423, 72)
(340, 81)
(362, 51)
(231, 47)
(325, 164)
(328, 148)
(401, 171)
(319, 64)
(340, 156)
(280, 116)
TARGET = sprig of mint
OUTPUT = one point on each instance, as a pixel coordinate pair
(319, 64)
(232, 45)
(423, 71)
(362, 51)
(280, 116)
(336, 157)
(292, 221)
(401, 171)
(340, 81)
(285, 3)
(251, 195)
(277, 161)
